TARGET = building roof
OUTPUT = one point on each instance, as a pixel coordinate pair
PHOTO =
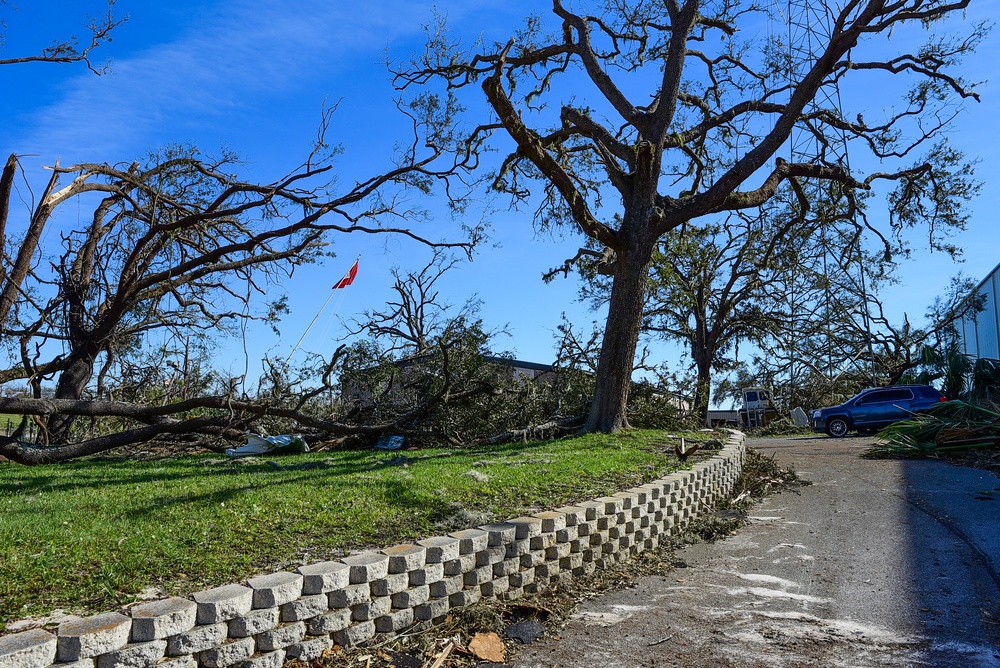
(520, 364)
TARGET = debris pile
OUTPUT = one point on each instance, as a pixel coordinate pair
(480, 635)
(948, 427)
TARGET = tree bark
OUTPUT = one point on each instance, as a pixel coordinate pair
(608, 411)
(33, 455)
(14, 279)
(703, 384)
(72, 384)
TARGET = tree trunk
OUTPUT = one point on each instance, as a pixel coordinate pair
(621, 337)
(31, 455)
(72, 384)
(703, 385)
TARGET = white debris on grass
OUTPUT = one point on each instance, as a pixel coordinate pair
(478, 476)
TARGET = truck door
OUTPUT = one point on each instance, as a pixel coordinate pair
(753, 407)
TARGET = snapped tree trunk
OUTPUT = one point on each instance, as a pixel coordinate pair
(608, 411)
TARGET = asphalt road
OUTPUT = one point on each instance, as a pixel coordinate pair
(877, 563)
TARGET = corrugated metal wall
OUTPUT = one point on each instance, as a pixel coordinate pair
(967, 330)
(980, 332)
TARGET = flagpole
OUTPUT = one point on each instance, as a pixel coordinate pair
(333, 290)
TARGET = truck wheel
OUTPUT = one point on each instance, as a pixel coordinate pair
(836, 427)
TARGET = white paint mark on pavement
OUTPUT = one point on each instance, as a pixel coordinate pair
(797, 557)
(763, 592)
(760, 577)
(616, 615)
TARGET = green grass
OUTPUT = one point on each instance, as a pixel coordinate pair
(87, 536)
(14, 421)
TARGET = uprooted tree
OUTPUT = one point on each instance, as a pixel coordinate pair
(175, 246)
(642, 118)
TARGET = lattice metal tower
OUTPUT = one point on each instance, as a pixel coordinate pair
(809, 24)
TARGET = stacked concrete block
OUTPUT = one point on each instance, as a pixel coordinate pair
(440, 549)
(223, 603)
(329, 623)
(394, 621)
(169, 662)
(254, 623)
(443, 573)
(309, 649)
(355, 634)
(92, 636)
(304, 608)
(392, 583)
(432, 609)
(349, 596)
(447, 586)
(407, 566)
(526, 528)
(324, 577)
(228, 654)
(367, 567)
(161, 619)
(365, 604)
(426, 575)
(300, 615)
(198, 639)
(266, 660)
(257, 637)
(500, 555)
(29, 649)
(277, 589)
(466, 597)
(208, 642)
(134, 655)
(371, 609)
(281, 637)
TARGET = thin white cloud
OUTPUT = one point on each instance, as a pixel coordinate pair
(245, 52)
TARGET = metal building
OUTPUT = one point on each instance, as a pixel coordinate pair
(979, 333)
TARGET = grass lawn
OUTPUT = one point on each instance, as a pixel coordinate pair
(8, 419)
(90, 535)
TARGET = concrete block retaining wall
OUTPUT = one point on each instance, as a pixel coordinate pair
(272, 618)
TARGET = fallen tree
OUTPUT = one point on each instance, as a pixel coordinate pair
(179, 246)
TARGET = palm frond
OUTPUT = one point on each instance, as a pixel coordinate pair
(948, 427)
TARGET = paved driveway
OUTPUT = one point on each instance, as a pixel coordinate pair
(878, 563)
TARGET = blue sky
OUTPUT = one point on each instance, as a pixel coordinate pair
(253, 76)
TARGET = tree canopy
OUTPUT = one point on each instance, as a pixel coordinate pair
(625, 122)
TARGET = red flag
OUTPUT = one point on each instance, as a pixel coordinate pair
(348, 277)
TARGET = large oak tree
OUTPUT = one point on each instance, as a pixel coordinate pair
(635, 119)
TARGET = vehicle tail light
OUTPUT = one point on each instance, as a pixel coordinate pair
(942, 398)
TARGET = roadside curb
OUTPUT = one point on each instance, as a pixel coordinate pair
(298, 615)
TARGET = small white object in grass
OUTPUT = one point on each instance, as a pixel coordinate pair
(478, 476)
